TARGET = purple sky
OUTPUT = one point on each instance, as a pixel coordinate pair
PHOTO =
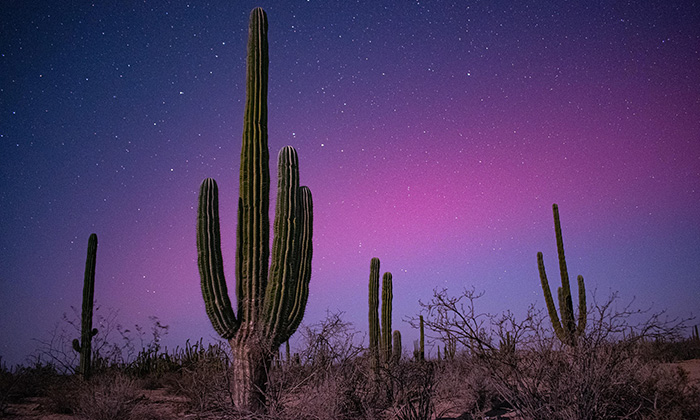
(434, 135)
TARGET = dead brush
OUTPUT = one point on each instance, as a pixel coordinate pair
(108, 397)
(206, 383)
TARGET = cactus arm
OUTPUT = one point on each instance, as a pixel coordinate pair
(301, 295)
(210, 262)
(568, 320)
(282, 278)
(551, 309)
(374, 313)
(252, 243)
(582, 309)
(387, 298)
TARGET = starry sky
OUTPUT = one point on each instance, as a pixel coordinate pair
(433, 134)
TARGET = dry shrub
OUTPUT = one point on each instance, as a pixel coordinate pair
(206, 384)
(108, 397)
(464, 385)
(334, 392)
(328, 380)
(605, 375)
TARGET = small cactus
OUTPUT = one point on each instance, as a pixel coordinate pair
(374, 315)
(387, 298)
(566, 330)
(397, 348)
(419, 353)
(379, 335)
(84, 345)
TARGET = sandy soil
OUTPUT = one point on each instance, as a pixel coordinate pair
(153, 404)
(693, 369)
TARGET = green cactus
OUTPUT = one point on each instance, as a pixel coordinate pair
(84, 345)
(374, 315)
(270, 303)
(566, 330)
(695, 335)
(421, 342)
(397, 348)
(387, 298)
(379, 335)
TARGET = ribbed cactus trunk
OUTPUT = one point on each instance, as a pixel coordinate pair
(379, 334)
(374, 315)
(270, 303)
(421, 350)
(566, 329)
(397, 348)
(84, 346)
(387, 299)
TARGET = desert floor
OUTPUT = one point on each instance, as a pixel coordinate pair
(160, 405)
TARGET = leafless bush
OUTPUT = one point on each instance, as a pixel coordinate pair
(463, 385)
(329, 343)
(330, 380)
(603, 376)
(205, 381)
(108, 397)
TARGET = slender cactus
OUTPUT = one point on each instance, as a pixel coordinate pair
(421, 350)
(84, 345)
(387, 298)
(397, 348)
(379, 335)
(374, 315)
(270, 303)
(566, 330)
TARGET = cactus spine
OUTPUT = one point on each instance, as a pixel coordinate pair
(566, 330)
(84, 345)
(270, 303)
(380, 336)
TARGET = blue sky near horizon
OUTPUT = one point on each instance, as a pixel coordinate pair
(434, 135)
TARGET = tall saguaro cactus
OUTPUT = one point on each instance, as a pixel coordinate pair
(566, 330)
(270, 303)
(379, 338)
(84, 345)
